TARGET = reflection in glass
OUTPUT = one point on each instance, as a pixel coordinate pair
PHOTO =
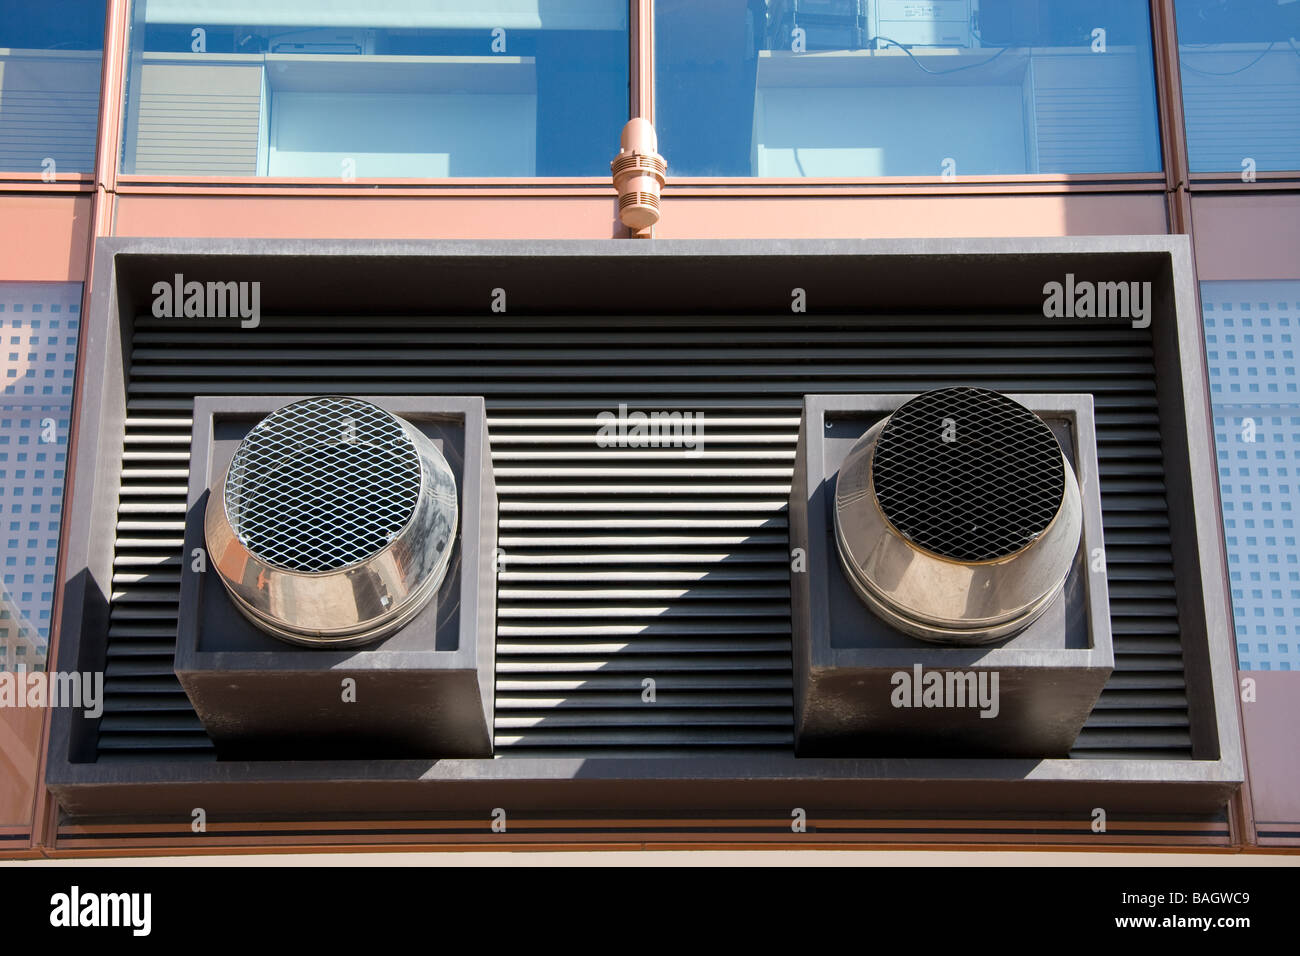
(1240, 64)
(862, 88)
(393, 88)
(1251, 330)
(38, 352)
(50, 52)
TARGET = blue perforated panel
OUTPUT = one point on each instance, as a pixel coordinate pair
(38, 349)
(1250, 340)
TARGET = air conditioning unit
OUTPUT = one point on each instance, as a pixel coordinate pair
(952, 540)
(858, 24)
(326, 41)
(285, 552)
(922, 23)
(828, 24)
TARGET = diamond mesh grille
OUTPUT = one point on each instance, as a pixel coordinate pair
(968, 474)
(322, 484)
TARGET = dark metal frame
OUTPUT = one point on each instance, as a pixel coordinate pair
(683, 276)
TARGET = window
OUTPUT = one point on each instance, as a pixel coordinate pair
(35, 403)
(50, 56)
(1251, 330)
(395, 88)
(1240, 64)
(865, 88)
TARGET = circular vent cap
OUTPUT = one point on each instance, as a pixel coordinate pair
(334, 522)
(322, 484)
(957, 517)
(968, 474)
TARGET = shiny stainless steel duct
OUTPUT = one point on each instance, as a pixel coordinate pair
(957, 517)
(334, 524)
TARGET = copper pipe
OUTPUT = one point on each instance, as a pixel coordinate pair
(639, 174)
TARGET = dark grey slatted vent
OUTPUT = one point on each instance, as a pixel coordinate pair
(629, 563)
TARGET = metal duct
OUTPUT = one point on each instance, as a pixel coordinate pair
(957, 517)
(334, 523)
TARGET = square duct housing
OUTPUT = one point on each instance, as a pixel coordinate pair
(865, 688)
(423, 690)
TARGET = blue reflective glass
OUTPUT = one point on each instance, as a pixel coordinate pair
(863, 88)
(50, 53)
(393, 88)
(1240, 64)
(39, 324)
(1251, 333)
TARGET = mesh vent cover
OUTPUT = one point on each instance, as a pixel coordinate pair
(322, 484)
(968, 474)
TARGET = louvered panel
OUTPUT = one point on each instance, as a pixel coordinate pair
(36, 125)
(197, 119)
(49, 109)
(145, 707)
(622, 564)
(711, 511)
(1241, 104)
(1092, 112)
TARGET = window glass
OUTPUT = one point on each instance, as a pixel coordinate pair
(50, 53)
(38, 351)
(1250, 339)
(864, 88)
(393, 88)
(1240, 64)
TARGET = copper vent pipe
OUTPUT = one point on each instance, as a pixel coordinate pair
(639, 174)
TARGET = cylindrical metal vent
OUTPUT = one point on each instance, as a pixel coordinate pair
(334, 523)
(639, 175)
(958, 516)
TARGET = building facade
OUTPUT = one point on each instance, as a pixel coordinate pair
(862, 198)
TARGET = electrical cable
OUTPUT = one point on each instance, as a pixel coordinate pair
(1267, 51)
(925, 69)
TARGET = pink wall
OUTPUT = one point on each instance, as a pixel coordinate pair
(44, 238)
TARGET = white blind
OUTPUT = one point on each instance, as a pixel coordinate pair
(409, 14)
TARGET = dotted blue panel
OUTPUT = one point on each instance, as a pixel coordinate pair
(1250, 342)
(39, 322)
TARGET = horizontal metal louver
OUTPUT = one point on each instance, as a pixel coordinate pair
(622, 564)
(195, 120)
(1231, 117)
(49, 110)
